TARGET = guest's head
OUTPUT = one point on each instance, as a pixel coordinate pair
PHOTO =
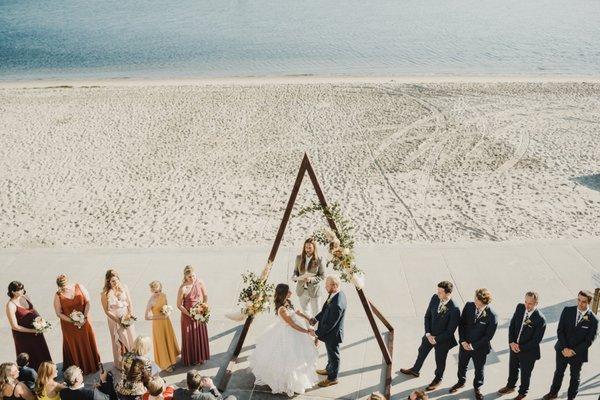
(155, 287)
(333, 284)
(22, 359)
(584, 298)
(282, 295)
(531, 301)
(15, 289)
(444, 290)
(418, 395)
(189, 276)
(73, 376)
(483, 297)
(61, 282)
(310, 248)
(194, 380)
(9, 373)
(111, 281)
(142, 345)
(156, 386)
(46, 373)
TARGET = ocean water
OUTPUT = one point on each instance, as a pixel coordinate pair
(206, 38)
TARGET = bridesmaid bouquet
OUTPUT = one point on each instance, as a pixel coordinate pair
(41, 325)
(166, 310)
(200, 312)
(78, 318)
(127, 321)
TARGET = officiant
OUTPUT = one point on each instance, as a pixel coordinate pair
(308, 274)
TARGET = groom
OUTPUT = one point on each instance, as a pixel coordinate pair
(331, 328)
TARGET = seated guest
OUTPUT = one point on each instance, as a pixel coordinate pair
(27, 375)
(46, 387)
(158, 390)
(199, 388)
(10, 387)
(133, 384)
(418, 395)
(140, 350)
(76, 391)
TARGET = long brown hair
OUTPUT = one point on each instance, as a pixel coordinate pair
(5, 378)
(45, 372)
(107, 277)
(315, 256)
(280, 298)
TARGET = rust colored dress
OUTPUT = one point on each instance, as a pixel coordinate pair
(194, 335)
(79, 345)
(30, 343)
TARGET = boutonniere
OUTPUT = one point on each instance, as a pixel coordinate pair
(528, 322)
(329, 301)
(585, 318)
(443, 309)
(483, 314)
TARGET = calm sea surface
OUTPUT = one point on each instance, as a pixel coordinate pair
(66, 38)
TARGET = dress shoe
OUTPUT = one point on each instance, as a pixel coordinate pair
(433, 385)
(327, 383)
(506, 390)
(519, 397)
(550, 396)
(322, 372)
(478, 395)
(457, 386)
(408, 371)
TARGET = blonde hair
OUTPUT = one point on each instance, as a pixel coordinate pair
(156, 285)
(142, 345)
(45, 372)
(187, 271)
(483, 295)
(5, 378)
(61, 282)
(334, 279)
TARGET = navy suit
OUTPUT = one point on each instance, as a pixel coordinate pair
(331, 331)
(577, 338)
(441, 325)
(529, 341)
(478, 333)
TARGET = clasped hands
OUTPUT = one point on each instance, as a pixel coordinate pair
(431, 339)
(566, 352)
(467, 346)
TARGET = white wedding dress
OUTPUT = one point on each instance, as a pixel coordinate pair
(284, 358)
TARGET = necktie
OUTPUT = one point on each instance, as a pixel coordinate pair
(579, 315)
(477, 313)
(440, 307)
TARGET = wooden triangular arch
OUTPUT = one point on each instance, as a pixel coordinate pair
(370, 309)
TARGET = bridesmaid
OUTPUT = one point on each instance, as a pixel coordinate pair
(194, 336)
(21, 313)
(165, 344)
(116, 303)
(79, 341)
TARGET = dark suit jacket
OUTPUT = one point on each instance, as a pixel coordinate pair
(28, 376)
(478, 333)
(577, 338)
(331, 320)
(204, 394)
(532, 334)
(442, 325)
(85, 394)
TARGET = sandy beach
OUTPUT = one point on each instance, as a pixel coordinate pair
(202, 163)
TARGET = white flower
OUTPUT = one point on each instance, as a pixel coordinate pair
(41, 325)
(78, 318)
(346, 251)
(166, 310)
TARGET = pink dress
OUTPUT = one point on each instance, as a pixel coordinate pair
(194, 336)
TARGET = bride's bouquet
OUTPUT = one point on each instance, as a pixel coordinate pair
(77, 318)
(200, 312)
(166, 310)
(41, 325)
(127, 320)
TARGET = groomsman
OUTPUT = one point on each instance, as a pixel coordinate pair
(577, 329)
(476, 329)
(441, 321)
(527, 327)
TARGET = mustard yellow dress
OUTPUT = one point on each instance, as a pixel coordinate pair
(166, 348)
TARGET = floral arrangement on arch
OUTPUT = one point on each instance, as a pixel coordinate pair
(340, 243)
(257, 294)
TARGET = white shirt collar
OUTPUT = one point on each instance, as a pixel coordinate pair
(583, 312)
(80, 386)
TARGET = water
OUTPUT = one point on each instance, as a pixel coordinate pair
(67, 38)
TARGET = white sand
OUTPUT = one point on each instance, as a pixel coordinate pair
(151, 164)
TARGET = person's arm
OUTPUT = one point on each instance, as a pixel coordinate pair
(427, 318)
(589, 338)
(86, 296)
(180, 297)
(148, 315)
(448, 333)
(512, 337)
(463, 324)
(58, 309)
(203, 292)
(296, 273)
(104, 301)
(560, 331)
(302, 315)
(22, 391)
(284, 315)
(538, 335)
(11, 308)
(490, 331)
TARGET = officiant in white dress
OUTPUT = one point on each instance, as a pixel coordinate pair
(308, 274)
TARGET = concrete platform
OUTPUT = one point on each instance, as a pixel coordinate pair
(400, 281)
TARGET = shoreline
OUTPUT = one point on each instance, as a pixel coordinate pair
(67, 83)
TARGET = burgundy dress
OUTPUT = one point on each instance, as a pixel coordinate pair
(30, 343)
(194, 336)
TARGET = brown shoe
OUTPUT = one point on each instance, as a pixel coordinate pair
(408, 371)
(322, 372)
(457, 386)
(550, 396)
(506, 390)
(519, 397)
(327, 383)
(433, 385)
(478, 395)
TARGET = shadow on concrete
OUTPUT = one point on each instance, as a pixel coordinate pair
(589, 181)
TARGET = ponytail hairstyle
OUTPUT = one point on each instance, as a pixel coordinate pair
(61, 282)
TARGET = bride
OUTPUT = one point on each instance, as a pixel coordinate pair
(285, 357)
